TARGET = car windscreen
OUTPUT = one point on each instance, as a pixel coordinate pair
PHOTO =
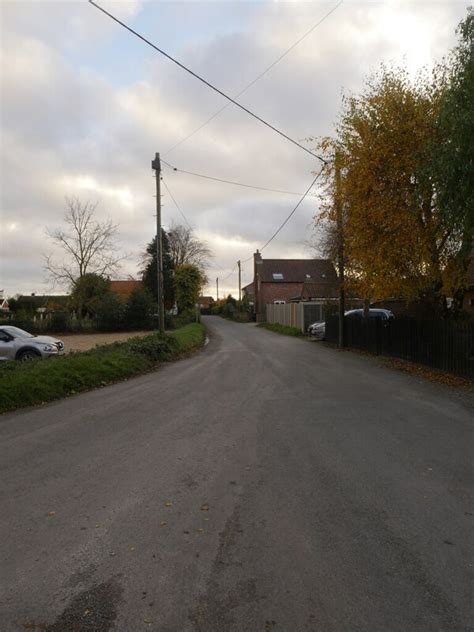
(18, 333)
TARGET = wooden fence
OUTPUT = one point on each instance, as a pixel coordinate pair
(442, 344)
(298, 315)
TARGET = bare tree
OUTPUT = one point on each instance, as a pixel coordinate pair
(185, 247)
(89, 246)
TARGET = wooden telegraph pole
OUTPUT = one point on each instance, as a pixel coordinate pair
(340, 246)
(156, 165)
(217, 289)
(240, 286)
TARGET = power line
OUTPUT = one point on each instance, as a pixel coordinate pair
(293, 211)
(230, 273)
(238, 184)
(264, 72)
(207, 83)
(177, 205)
(282, 225)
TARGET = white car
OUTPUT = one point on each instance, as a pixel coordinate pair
(17, 344)
(317, 330)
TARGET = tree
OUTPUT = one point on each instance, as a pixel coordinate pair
(185, 247)
(396, 241)
(149, 271)
(139, 309)
(187, 282)
(109, 313)
(453, 161)
(89, 246)
(89, 291)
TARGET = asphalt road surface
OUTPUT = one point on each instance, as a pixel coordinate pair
(265, 484)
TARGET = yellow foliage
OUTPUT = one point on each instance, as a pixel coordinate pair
(395, 241)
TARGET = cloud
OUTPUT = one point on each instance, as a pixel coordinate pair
(85, 107)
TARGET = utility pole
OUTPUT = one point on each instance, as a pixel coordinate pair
(217, 289)
(240, 286)
(340, 246)
(156, 165)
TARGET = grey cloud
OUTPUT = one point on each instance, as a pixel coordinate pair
(94, 137)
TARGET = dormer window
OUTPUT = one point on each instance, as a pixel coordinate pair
(277, 276)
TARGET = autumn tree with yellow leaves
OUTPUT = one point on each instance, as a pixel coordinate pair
(399, 241)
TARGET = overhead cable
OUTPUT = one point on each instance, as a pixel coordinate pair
(176, 204)
(293, 211)
(249, 85)
(238, 184)
(207, 83)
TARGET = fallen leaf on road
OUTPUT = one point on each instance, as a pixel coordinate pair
(51, 513)
(205, 507)
(168, 503)
(163, 524)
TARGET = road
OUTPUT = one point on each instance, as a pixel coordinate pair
(264, 484)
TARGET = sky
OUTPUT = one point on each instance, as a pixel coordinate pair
(85, 106)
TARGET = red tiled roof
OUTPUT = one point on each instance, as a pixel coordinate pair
(123, 289)
(205, 300)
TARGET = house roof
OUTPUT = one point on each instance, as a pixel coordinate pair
(319, 290)
(205, 300)
(248, 289)
(297, 271)
(43, 300)
(123, 289)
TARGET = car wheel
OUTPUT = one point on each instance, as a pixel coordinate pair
(27, 355)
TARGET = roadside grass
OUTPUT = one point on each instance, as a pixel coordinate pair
(41, 381)
(282, 329)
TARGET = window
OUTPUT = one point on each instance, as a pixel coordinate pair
(279, 302)
(277, 276)
(308, 276)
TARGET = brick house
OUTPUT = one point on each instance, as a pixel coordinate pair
(205, 303)
(286, 280)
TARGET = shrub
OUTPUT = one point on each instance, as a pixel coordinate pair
(110, 313)
(139, 309)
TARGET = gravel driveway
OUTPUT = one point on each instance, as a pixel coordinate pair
(83, 342)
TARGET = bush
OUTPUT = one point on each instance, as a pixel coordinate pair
(139, 309)
(60, 322)
(185, 318)
(110, 313)
(154, 347)
(30, 383)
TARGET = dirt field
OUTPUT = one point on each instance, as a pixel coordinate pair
(83, 342)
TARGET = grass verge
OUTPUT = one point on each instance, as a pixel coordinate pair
(281, 329)
(41, 381)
